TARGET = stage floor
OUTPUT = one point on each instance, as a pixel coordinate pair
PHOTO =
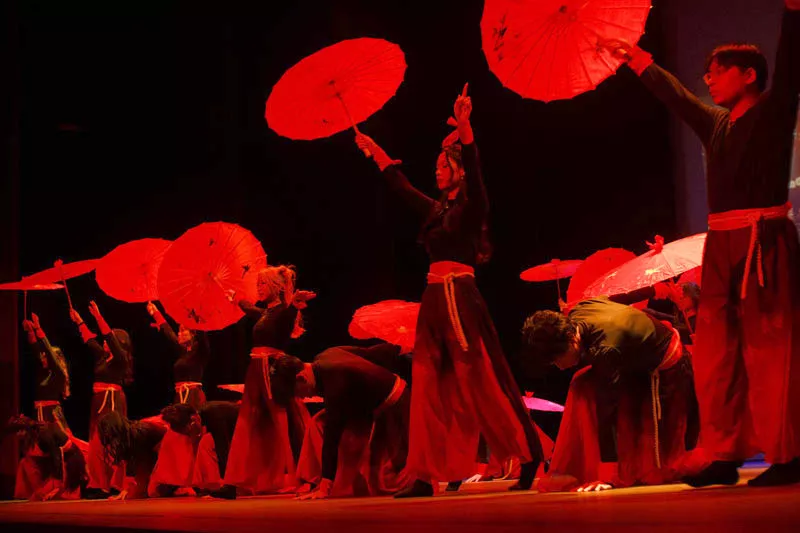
(478, 507)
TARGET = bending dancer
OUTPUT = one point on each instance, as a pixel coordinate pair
(53, 467)
(462, 384)
(363, 429)
(213, 425)
(631, 414)
(52, 376)
(113, 368)
(193, 354)
(134, 446)
(747, 350)
(268, 437)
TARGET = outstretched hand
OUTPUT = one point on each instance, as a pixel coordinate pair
(27, 325)
(618, 48)
(73, 314)
(94, 309)
(463, 106)
(152, 309)
(366, 144)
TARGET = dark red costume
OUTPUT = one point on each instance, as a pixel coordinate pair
(462, 384)
(268, 438)
(747, 350)
(189, 366)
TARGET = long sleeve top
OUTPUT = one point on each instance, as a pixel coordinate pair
(274, 325)
(622, 344)
(109, 368)
(747, 162)
(451, 230)
(192, 360)
(353, 388)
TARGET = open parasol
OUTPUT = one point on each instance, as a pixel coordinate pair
(593, 268)
(393, 321)
(551, 49)
(62, 272)
(204, 268)
(554, 270)
(335, 88)
(24, 285)
(129, 272)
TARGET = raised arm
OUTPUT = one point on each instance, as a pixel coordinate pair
(114, 345)
(783, 96)
(89, 338)
(417, 201)
(44, 344)
(698, 115)
(161, 323)
(477, 200)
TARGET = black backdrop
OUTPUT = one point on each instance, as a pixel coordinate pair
(142, 119)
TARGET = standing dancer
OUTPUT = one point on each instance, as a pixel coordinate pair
(462, 386)
(52, 376)
(747, 350)
(268, 437)
(113, 368)
(193, 355)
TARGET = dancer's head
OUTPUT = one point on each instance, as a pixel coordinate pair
(552, 338)
(689, 298)
(735, 71)
(276, 283)
(287, 378)
(116, 436)
(183, 418)
(185, 336)
(449, 168)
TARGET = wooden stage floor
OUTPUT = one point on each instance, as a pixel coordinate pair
(478, 507)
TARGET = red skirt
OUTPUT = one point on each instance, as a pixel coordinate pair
(267, 439)
(206, 472)
(372, 456)
(176, 458)
(102, 474)
(576, 460)
(459, 394)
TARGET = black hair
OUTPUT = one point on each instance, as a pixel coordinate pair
(116, 434)
(178, 416)
(283, 378)
(743, 56)
(124, 341)
(546, 335)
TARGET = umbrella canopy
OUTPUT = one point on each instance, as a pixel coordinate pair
(394, 321)
(593, 268)
(203, 268)
(550, 49)
(335, 88)
(662, 262)
(554, 270)
(538, 404)
(25, 285)
(129, 272)
(62, 271)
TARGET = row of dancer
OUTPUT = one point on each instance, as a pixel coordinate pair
(461, 387)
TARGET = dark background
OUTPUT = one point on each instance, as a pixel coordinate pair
(142, 119)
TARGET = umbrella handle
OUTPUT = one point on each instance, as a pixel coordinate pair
(64, 281)
(352, 122)
(25, 305)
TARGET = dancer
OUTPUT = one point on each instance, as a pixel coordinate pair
(53, 467)
(462, 384)
(747, 350)
(52, 376)
(132, 445)
(113, 368)
(214, 425)
(193, 354)
(631, 414)
(363, 431)
(268, 437)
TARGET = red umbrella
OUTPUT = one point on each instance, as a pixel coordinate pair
(26, 286)
(335, 88)
(129, 272)
(593, 268)
(62, 272)
(694, 275)
(661, 263)
(393, 321)
(554, 270)
(203, 268)
(550, 49)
